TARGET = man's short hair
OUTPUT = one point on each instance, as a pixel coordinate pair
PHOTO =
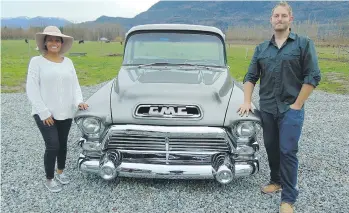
(283, 4)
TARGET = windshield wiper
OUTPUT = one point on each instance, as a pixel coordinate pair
(208, 67)
(154, 64)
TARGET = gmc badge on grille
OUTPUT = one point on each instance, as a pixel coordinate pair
(168, 111)
(155, 110)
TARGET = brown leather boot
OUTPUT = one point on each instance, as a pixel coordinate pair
(286, 208)
(271, 188)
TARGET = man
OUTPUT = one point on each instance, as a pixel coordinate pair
(287, 67)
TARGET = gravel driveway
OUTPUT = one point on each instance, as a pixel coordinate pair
(323, 171)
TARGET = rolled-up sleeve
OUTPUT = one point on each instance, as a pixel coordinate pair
(253, 72)
(311, 70)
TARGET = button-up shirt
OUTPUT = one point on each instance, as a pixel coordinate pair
(282, 71)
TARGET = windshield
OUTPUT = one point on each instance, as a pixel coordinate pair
(174, 48)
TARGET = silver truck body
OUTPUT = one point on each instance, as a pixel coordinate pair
(171, 111)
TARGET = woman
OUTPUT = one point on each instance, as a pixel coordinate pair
(54, 92)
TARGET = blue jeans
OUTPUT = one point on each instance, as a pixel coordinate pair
(281, 134)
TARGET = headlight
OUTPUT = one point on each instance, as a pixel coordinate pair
(245, 129)
(91, 125)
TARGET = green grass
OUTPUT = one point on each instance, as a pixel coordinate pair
(94, 68)
(334, 71)
(97, 67)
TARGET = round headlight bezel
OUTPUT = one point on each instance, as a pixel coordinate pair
(238, 130)
(92, 121)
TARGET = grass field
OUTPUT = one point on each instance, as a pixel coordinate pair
(97, 66)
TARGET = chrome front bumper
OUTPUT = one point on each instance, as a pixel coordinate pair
(141, 170)
(168, 153)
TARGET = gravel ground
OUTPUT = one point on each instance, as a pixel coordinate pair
(323, 171)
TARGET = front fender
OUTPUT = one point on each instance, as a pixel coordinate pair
(99, 104)
(232, 116)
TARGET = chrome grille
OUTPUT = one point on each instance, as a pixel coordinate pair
(198, 144)
(167, 140)
(136, 142)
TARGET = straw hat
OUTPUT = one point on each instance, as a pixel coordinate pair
(53, 31)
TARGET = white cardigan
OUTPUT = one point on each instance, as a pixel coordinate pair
(53, 88)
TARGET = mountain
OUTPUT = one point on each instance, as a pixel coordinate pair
(25, 22)
(223, 14)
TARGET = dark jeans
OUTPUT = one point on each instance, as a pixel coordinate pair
(55, 137)
(281, 135)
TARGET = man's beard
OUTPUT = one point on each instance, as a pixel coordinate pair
(281, 29)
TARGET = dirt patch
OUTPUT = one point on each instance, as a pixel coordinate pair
(338, 78)
(345, 60)
(114, 54)
(13, 89)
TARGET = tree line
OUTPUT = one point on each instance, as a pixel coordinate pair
(331, 34)
(86, 31)
(323, 34)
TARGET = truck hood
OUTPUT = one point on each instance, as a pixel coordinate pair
(208, 89)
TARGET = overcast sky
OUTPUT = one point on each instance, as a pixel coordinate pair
(74, 10)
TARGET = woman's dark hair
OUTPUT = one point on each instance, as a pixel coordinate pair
(45, 41)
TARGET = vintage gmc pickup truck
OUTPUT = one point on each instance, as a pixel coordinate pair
(170, 112)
